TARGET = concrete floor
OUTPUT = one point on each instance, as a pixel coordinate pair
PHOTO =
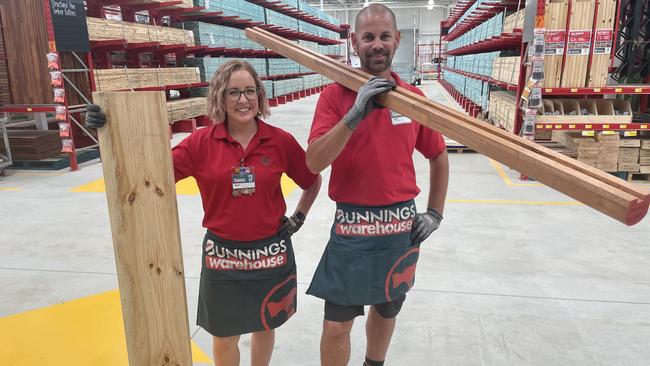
(518, 274)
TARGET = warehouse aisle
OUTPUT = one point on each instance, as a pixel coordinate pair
(518, 274)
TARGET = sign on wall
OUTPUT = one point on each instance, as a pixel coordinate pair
(70, 28)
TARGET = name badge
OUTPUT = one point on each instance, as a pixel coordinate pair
(398, 119)
(243, 180)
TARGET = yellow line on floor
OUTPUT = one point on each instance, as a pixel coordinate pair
(9, 189)
(507, 179)
(85, 331)
(186, 186)
(515, 202)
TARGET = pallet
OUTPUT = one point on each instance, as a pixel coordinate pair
(635, 177)
(56, 163)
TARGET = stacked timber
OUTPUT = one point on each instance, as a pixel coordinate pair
(581, 20)
(32, 145)
(502, 109)
(186, 108)
(514, 21)
(644, 157)
(5, 94)
(506, 69)
(105, 29)
(600, 151)
(555, 15)
(602, 46)
(125, 79)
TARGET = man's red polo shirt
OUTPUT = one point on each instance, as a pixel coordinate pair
(376, 166)
(210, 154)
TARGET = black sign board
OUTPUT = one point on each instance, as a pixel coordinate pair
(70, 28)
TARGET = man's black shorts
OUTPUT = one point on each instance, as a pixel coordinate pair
(344, 313)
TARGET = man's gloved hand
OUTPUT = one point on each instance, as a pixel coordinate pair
(364, 104)
(291, 224)
(424, 224)
(95, 118)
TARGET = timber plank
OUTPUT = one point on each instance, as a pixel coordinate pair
(600, 58)
(142, 207)
(623, 202)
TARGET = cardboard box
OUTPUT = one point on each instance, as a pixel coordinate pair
(643, 153)
(629, 143)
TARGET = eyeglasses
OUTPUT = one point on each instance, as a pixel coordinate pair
(234, 94)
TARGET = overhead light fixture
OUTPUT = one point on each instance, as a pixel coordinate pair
(365, 3)
(430, 5)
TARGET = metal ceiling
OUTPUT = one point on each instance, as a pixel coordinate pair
(333, 5)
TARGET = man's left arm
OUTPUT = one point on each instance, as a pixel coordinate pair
(424, 224)
(438, 181)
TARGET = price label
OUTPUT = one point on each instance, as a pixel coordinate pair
(588, 133)
(629, 133)
(609, 133)
(579, 42)
(603, 42)
(554, 41)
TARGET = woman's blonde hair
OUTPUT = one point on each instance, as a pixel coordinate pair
(219, 83)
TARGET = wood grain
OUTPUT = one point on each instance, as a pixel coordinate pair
(104, 29)
(186, 108)
(125, 79)
(596, 189)
(581, 17)
(142, 207)
(606, 17)
(26, 47)
(5, 92)
(555, 20)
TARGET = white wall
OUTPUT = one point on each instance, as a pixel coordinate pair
(426, 21)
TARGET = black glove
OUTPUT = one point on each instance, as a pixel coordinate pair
(424, 224)
(95, 118)
(364, 103)
(291, 224)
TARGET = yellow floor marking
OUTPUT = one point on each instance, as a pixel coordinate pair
(9, 189)
(507, 179)
(86, 331)
(287, 185)
(515, 202)
(186, 186)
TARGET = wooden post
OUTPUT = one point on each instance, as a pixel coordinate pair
(144, 222)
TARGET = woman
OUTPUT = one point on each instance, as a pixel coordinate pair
(248, 276)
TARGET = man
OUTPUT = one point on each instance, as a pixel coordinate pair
(373, 249)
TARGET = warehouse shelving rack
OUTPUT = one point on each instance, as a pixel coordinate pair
(515, 41)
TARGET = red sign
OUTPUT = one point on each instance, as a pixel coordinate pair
(554, 42)
(579, 42)
(603, 41)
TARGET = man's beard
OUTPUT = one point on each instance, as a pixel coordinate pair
(374, 66)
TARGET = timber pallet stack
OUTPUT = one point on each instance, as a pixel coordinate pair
(490, 71)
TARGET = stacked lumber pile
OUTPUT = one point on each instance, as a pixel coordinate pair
(506, 69)
(125, 79)
(581, 20)
(634, 156)
(32, 145)
(5, 95)
(502, 108)
(104, 29)
(186, 108)
(555, 15)
(600, 151)
(514, 21)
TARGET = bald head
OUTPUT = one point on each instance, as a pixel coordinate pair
(371, 11)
